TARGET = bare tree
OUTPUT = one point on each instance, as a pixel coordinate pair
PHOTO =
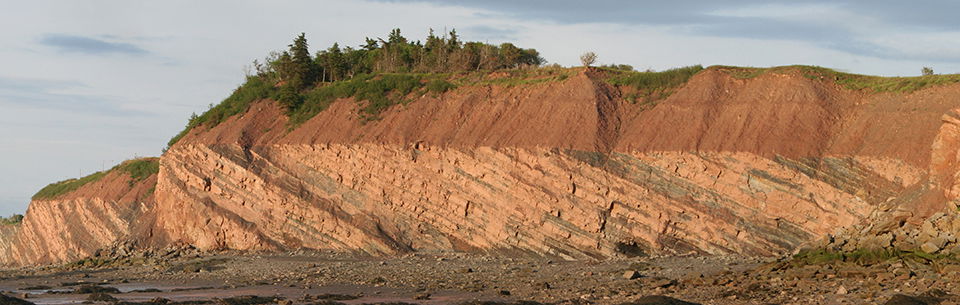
(588, 58)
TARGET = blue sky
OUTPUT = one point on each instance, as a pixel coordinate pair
(87, 84)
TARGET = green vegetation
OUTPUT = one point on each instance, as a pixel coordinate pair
(440, 86)
(861, 257)
(621, 67)
(253, 89)
(59, 188)
(138, 169)
(894, 84)
(875, 84)
(379, 92)
(15, 219)
(381, 73)
(651, 86)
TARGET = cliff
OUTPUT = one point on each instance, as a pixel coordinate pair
(108, 207)
(568, 168)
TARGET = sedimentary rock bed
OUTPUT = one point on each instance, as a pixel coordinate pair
(568, 169)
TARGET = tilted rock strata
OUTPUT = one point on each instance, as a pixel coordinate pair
(77, 224)
(569, 169)
(386, 199)
(783, 160)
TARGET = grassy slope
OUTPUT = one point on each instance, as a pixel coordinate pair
(850, 81)
(138, 169)
(374, 92)
(378, 92)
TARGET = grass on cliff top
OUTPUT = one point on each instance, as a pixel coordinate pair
(138, 169)
(375, 93)
(651, 86)
(850, 81)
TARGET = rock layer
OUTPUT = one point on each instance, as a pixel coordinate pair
(567, 169)
(725, 165)
(77, 224)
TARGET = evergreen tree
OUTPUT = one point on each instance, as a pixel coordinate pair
(303, 73)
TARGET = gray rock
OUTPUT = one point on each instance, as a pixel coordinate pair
(659, 300)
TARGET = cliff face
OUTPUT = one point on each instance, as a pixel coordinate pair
(77, 224)
(568, 169)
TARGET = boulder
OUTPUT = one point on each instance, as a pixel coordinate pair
(659, 300)
(9, 300)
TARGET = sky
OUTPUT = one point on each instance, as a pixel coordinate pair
(87, 84)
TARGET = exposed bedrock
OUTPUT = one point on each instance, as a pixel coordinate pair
(561, 168)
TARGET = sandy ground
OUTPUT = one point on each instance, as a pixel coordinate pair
(453, 278)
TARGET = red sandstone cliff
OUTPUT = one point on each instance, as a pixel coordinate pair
(76, 224)
(569, 168)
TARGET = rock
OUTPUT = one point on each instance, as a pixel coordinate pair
(900, 299)
(842, 290)
(927, 230)
(659, 283)
(422, 296)
(659, 300)
(86, 289)
(929, 247)
(877, 242)
(9, 300)
(631, 275)
(466, 270)
(101, 297)
(890, 224)
(950, 269)
(504, 292)
(939, 241)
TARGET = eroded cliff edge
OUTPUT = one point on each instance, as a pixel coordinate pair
(567, 168)
(74, 222)
(724, 165)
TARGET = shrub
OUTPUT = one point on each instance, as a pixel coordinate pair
(588, 58)
(654, 85)
(440, 86)
(15, 219)
(140, 169)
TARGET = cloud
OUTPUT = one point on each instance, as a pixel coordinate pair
(485, 32)
(856, 28)
(49, 95)
(87, 45)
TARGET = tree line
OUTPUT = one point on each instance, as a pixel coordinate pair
(297, 69)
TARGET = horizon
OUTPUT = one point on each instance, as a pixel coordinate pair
(85, 90)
